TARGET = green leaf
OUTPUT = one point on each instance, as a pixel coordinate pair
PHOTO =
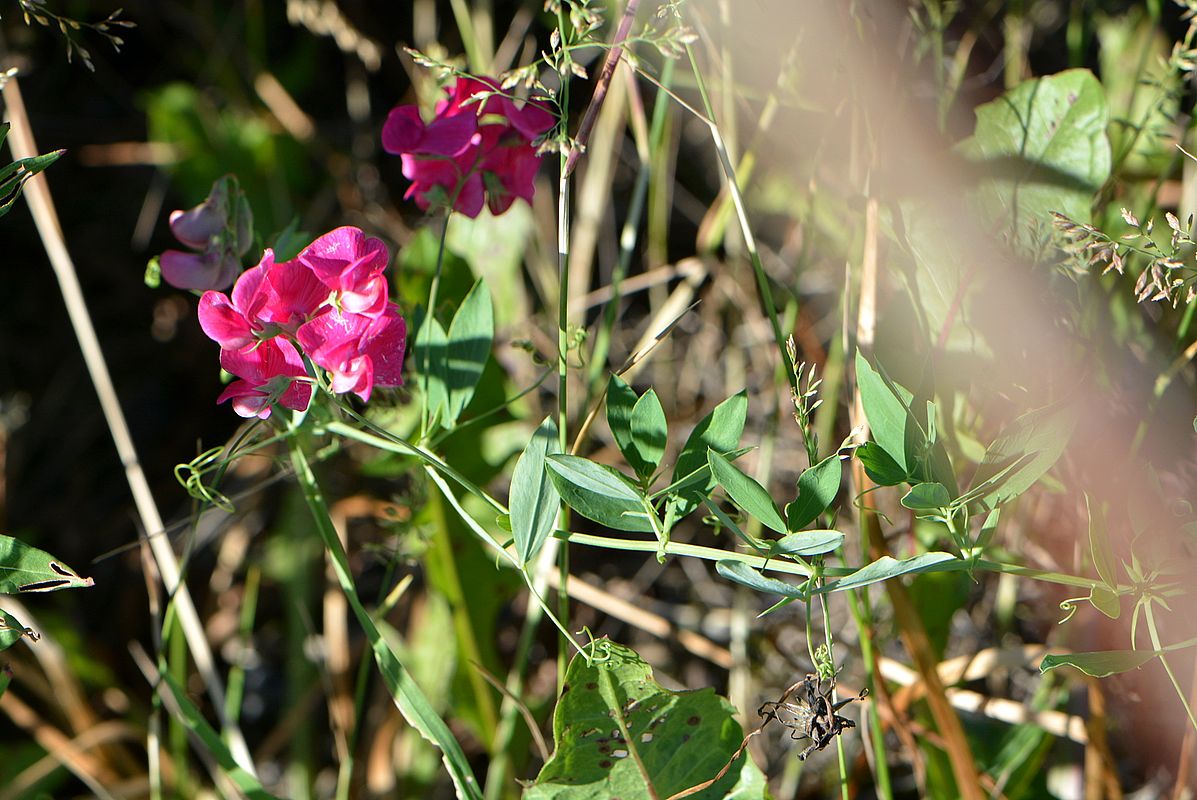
(720, 431)
(807, 543)
(1044, 143)
(1101, 664)
(431, 367)
(14, 176)
(621, 401)
(927, 497)
(471, 334)
(618, 733)
(879, 465)
(817, 487)
(194, 721)
(27, 569)
(599, 492)
(745, 492)
(11, 630)
(887, 407)
(1106, 601)
(534, 500)
(1099, 545)
(886, 567)
(1023, 453)
(741, 573)
(5, 678)
(649, 434)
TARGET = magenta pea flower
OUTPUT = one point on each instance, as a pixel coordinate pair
(270, 372)
(359, 352)
(479, 149)
(350, 264)
(239, 321)
(217, 231)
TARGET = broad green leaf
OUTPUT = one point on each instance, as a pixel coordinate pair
(887, 567)
(927, 497)
(1106, 601)
(534, 499)
(191, 718)
(649, 434)
(1045, 146)
(27, 569)
(1099, 545)
(886, 411)
(618, 733)
(11, 630)
(621, 402)
(1024, 452)
(431, 365)
(745, 492)
(741, 573)
(471, 334)
(1101, 664)
(817, 487)
(598, 492)
(808, 543)
(720, 431)
(879, 465)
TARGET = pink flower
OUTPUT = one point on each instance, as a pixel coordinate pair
(350, 264)
(359, 352)
(239, 322)
(269, 374)
(471, 153)
(219, 229)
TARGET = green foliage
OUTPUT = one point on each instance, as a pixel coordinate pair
(885, 568)
(638, 425)
(720, 432)
(469, 340)
(1045, 149)
(599, 492)
(618, 733)
(14, 175)
(817, 488)
(28, 569)
(534, 500)
(747, 493)
(1100, 664)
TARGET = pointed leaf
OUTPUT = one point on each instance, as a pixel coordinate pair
(886, 410)
(745, 492)
(879, 465)
(11, 630)
(649, 434)
(1024, 452)
(886, 567)
(817, 488)
(27, 569)
(598, 492)
(720, 431)
(621, 402)
(1099, 545)
(534, 500)
(741, 573)
(927, 497)
(431, 367)
(470, 337)
(1106, 601)
(808, 543)
(1100, 664)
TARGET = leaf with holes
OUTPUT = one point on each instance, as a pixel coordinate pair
(618, 733)
(27, 569)
(11, 630)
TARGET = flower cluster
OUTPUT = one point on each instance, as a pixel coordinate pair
(217, 232)
(478, 149)
(328, 303)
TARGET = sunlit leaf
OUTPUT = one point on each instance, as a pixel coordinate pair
(598, 492)
(745, 492)
(887, 567)
(817, 488)
(1100, 664)
(720, 431)
(741, 573)
(534, 500)
(27, 569)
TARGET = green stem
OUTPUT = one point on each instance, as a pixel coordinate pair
(1155, 643)
(405, 692)
(858, 603)
(733, 186)
(564, 31)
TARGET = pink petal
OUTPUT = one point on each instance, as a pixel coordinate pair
(403, 130)
(251, 292)
(248, 400)
(296, 294)
(198, 271)
(197, 226)
(223, 323)
(385, 342)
